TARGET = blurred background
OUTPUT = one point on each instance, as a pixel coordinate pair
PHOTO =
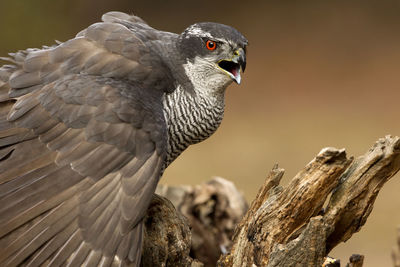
(319, 74)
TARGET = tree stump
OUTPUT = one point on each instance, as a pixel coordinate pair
(213, 210)
(325, 204)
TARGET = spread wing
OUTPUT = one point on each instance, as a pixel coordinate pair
(82, 143)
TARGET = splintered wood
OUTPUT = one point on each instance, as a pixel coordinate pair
(287, 226)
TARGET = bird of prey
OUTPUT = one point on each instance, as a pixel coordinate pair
(88, 126)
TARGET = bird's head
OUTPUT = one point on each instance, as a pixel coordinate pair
(214, 55)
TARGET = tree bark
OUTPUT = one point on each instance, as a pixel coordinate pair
(298, 225)
(287, 226)
(213, 210)
(167, 236)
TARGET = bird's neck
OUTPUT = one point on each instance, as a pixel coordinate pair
(193, 111)
(191, 118)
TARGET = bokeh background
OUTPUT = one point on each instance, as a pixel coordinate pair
(320, 73)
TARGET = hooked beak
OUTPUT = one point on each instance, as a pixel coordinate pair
(234, 66)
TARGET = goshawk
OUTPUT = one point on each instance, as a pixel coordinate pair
(88, 126)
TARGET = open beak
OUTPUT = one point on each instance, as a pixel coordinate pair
(233, 67)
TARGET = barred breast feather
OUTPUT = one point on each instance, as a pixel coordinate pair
(190, 119)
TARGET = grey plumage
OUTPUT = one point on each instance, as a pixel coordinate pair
(88, 126)
(194, 119)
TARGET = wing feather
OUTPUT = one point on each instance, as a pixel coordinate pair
(49, 248)
(55, 220)
(82, 144)
(67, 140)
(79, 255)
(75, 154)
(93, 259)
(67, 249)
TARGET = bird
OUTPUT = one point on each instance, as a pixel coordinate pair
(88, 126)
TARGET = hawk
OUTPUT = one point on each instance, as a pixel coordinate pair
(88, 126)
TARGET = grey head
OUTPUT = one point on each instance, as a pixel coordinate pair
(214, 55)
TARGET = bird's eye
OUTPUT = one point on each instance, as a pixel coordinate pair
(211, 45)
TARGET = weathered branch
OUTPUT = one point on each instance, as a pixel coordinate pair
(353, 200)
(297, 225)
(286, 230)
(284, 212)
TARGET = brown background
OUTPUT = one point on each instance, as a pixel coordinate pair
(319, 74)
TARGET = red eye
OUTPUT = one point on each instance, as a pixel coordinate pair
(211, 45)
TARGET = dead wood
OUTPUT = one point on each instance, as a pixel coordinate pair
(356, 260)
(287, 226)
(167, 236)
(213, 210)
(296, 225)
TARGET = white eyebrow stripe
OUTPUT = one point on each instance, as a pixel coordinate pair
(197, 31)
(194, 30)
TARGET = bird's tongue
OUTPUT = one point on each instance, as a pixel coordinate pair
(236, 74)
(234, 71)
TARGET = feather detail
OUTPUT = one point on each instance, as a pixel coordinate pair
(66, 250)
(82, 139)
